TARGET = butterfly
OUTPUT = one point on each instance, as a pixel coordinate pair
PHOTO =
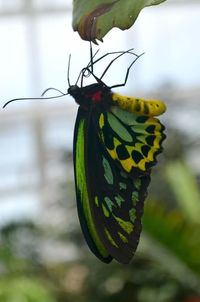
(116, 141)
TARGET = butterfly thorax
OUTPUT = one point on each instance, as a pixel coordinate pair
(95, 95)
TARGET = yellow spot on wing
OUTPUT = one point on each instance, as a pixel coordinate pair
(127, 164)
(101, 121)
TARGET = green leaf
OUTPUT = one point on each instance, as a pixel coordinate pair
(94, 18)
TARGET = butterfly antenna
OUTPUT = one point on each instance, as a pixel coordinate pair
(52, 88)
(33, 99)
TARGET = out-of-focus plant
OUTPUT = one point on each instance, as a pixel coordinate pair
(185, 189)
(18, 289)
(19, 278)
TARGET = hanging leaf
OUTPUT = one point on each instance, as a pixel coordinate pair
(94, 18)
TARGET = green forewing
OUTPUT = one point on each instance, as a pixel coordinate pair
(83, 201)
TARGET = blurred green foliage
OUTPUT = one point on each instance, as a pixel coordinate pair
(166, 267)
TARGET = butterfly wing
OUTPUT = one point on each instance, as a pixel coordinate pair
(110, 200)
(83, 198)
(118, 192)
(116, 200)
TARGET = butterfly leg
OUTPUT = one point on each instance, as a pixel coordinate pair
(127, 73)
(89, 67)
(112, 61)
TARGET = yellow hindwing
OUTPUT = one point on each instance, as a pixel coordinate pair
(139, 106)
(132, 139)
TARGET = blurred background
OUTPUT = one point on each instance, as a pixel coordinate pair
(43, 256)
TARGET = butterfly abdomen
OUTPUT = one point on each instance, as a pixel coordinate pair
(139, 106)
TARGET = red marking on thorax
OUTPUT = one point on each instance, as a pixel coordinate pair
(96, 97)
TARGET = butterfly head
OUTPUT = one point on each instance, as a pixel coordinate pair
(97, 94)
(74, 91)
